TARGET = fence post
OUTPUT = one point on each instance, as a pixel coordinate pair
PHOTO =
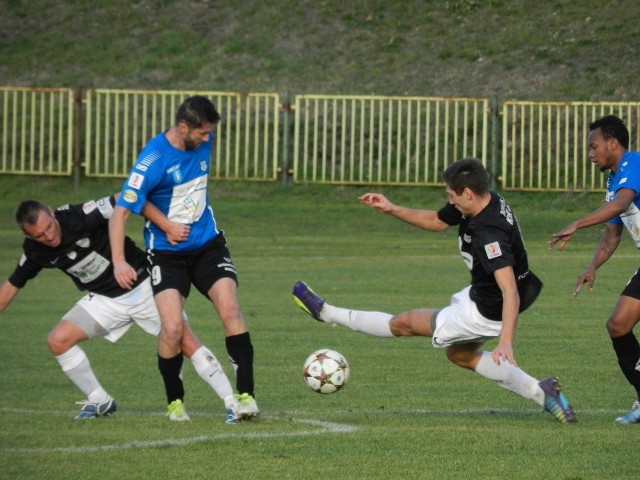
(77, 134)
(494, 112)
(284, 156)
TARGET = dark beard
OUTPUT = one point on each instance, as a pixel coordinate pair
(190, 145)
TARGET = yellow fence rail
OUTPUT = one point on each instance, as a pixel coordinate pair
(120, 122)
(544, 144)
(337, 139)
(36, 130)
(385, 140)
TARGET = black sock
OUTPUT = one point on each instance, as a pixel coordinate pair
(171, 371)
(240, 353)
(628, 353)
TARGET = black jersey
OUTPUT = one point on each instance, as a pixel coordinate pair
(488, 242)
(84, 253)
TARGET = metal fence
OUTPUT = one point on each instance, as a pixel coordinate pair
(385, 140)
(335, 139)
(120, 122)
(36, 130)
(544, 144)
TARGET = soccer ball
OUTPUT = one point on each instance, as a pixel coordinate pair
(326, 371)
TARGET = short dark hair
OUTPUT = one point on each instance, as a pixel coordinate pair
(612, 127)
(28, 211)
(196, 111)
(467, 173)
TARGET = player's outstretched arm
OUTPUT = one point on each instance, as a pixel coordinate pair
(605, 249)
(424, 219)
(8, 292)
(608, 211)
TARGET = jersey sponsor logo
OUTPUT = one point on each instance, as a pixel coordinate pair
(89, 268)
(492, 250)
(130, 196)
(188, 201)
(135, 180)
(54, 261)
(89, 207)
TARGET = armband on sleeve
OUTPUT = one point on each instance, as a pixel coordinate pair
(105, 205)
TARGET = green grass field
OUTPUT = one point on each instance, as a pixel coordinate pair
(406, 412)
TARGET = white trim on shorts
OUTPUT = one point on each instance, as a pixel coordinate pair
(116, 315)
(461, 322)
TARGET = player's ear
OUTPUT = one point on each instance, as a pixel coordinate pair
(613, 143)
(183, 128)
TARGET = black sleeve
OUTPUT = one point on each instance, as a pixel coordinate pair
(450, 215)
(25, 271)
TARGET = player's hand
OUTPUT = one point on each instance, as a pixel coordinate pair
(125, 274)
(589, 277)
(377, 201)
(562, 237)
(503, 352)
(177, 232)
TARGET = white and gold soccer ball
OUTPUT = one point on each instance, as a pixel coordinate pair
(326, 371)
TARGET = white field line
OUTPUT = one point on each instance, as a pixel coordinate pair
(322, 427)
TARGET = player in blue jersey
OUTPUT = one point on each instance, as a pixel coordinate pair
(75, 240)
(171, 173)
(608, 142)
(501, 287)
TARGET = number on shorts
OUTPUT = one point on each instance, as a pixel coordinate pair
(156, 276)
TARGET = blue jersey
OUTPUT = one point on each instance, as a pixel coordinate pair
(175, 181)
(627, 176)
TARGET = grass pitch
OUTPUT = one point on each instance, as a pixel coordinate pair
(406, 412)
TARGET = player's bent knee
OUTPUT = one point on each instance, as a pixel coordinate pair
(617, 327)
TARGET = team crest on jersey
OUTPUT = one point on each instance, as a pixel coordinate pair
(130, 196)
(177, 176)
(493, 250)
(203, 165)
(83, 243)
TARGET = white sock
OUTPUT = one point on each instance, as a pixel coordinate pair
(511, 378)
(210, 370)
(373, 323)
(75, 365)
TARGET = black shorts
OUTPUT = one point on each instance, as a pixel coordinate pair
(633, 287)
(202, 267)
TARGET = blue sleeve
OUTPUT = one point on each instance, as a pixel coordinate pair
(140, 182)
